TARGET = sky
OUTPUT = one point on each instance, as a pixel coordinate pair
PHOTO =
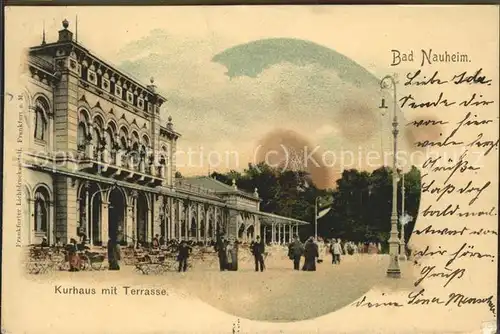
(227, 122)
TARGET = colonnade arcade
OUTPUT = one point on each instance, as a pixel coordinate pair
(279, 232)
(136, 216)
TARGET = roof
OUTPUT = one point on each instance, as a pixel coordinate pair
(216, 186)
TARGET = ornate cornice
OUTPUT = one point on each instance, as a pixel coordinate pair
(85, 58)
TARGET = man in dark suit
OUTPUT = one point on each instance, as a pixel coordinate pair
(258, 249)
(221, 249)
(295, 251)
(182, 257)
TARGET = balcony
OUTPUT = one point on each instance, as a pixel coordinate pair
(122, 164)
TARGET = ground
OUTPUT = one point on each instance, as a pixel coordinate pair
(277, 294)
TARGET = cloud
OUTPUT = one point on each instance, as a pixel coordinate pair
(225, 114)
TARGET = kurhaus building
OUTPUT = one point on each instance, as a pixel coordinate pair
(98, 160)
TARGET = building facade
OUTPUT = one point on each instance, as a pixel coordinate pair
(97, 160)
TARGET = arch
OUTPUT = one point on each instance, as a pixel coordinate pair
(112, 125)
(42, 110)
(145, 140)
(116, 214)
(43, 185)
(250, 232)
(141, 217)
(98, 119)
(202, 228)
(193, 228)
(123, 135)
(41, 210)
(135, 128)
(42, 100)
(28, 192)
(241, 231)
(81, 135)
(95, 212)
(29, 97)
(121, 190)
(109, 137)
(83, 115)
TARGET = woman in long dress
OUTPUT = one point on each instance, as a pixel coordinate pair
(113, 255)
(310, 254)
(232, 255)
(74, 258)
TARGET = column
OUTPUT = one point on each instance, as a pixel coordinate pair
(188, 222)
(129, 225)
(104, 222)
(279, 234)
(207, 222)
(198, 223)
(149, 226)
(50, 225)
(65, 221)
(290, 232)
(179, 220)
(273, 230)
(171, 202)
(158, 213)
(87, 214)
(264, 236)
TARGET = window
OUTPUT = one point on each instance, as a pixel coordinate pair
(81, 136)
(41, 210)
(40, 123)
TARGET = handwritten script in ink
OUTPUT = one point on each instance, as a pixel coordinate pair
(459, 111)
(453, 176)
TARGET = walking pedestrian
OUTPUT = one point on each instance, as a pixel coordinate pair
(336, 250)
(295, 252)
(310, 254)
(221, 249)
(182, 257)
(114, 254)
(258, 249)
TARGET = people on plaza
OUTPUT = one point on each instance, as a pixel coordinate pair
(321, 249)
(73, 257)
(258, 248)
(232, 255)
(162, 241)
(183, 255)
(156, 242)
(295, 252)
(114, 254)
(58, 242)
(310, 255)
(221, 249)
(336, 250)
(44, 243)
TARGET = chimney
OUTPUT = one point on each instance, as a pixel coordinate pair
(65, 35)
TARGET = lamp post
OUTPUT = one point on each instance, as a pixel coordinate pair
(402, 220)
(113, 186)
(393, 271)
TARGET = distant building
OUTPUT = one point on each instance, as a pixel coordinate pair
(98, 161)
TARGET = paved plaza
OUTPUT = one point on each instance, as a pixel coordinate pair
(277, 294)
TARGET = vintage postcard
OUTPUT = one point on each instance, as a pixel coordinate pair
(251, 169)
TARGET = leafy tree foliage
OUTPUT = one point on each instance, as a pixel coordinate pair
(361, 203)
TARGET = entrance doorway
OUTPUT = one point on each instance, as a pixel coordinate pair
(116, 215)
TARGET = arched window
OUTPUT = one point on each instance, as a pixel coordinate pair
(202, 228)
(81, 136)
(41, 210)
(40, 123)
(109, 138)
(193, 227)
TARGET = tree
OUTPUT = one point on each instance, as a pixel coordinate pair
(361, 203)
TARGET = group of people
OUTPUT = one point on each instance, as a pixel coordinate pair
(312, 250)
